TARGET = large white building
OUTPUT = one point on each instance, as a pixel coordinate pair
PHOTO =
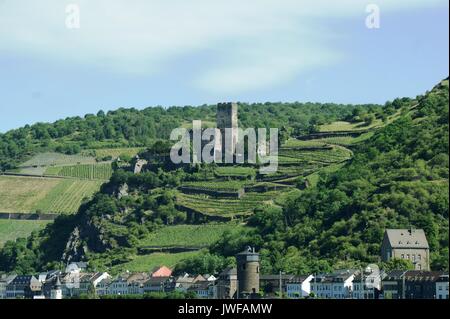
(299, 287)
(366, 286)
(338, 285)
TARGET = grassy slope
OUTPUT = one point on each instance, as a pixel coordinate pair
(28, 194)
(22, 194)
(187, 235)
(13, 229)
(148, 262)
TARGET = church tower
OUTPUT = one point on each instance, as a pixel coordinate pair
(56, 292)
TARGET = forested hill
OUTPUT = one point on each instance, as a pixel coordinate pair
(132, 127)
(398, 179)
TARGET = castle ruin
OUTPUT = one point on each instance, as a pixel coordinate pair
(227, 120)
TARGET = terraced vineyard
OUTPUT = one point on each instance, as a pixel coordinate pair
(114, 152)
(84, 171)
(219, 186)
(50, 195)
(227, 207)
(22, 194)
(322, 142)
(50, 159)
(234, 171)
(336, 154)
(347, 126)
(68, 195)
(347, 140)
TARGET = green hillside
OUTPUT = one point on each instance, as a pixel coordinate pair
(346, 173)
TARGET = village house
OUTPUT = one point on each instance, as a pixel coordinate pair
(299, 286)
(118, 286)
(184, 282)
(338, 285)
(226, 284)
(442, 287)
(390, 284)
(367, 285)
(23, 286)
(203, 289)
(161, 271)
(270, 284)
(159, 284)
(102, 288)
(74, 284)
(408, 244)
(136, 282)
(4, 281)
(411, 284)
(49, 281)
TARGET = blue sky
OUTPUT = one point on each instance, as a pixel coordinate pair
(175, 52)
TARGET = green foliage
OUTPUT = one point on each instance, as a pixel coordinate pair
(397, 264)
(397, 179)
(187, 235)
(134, 128)
(12, 229)
(204, 263)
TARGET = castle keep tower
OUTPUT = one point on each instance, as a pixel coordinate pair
(247, 273)
(227, 118)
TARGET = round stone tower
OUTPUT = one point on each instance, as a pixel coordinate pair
(247, 273)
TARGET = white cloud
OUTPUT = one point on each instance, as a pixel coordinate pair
(253, 43)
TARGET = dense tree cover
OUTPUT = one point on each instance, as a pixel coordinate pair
(398, 179)
(132, 127)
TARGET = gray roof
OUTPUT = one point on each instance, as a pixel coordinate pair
(229, 271)
(407, 238)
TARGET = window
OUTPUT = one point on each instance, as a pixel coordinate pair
(403, 256)
(407, 256)
(419, 257)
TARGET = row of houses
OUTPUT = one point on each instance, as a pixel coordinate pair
(344, 284)
(351, 284)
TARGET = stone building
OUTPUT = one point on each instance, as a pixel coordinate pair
(409, 244)
(247, 273)
(226, 284)
(227, 118)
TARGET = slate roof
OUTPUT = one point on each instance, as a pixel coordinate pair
(407, 238)
(415, 275)
(229, 271)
